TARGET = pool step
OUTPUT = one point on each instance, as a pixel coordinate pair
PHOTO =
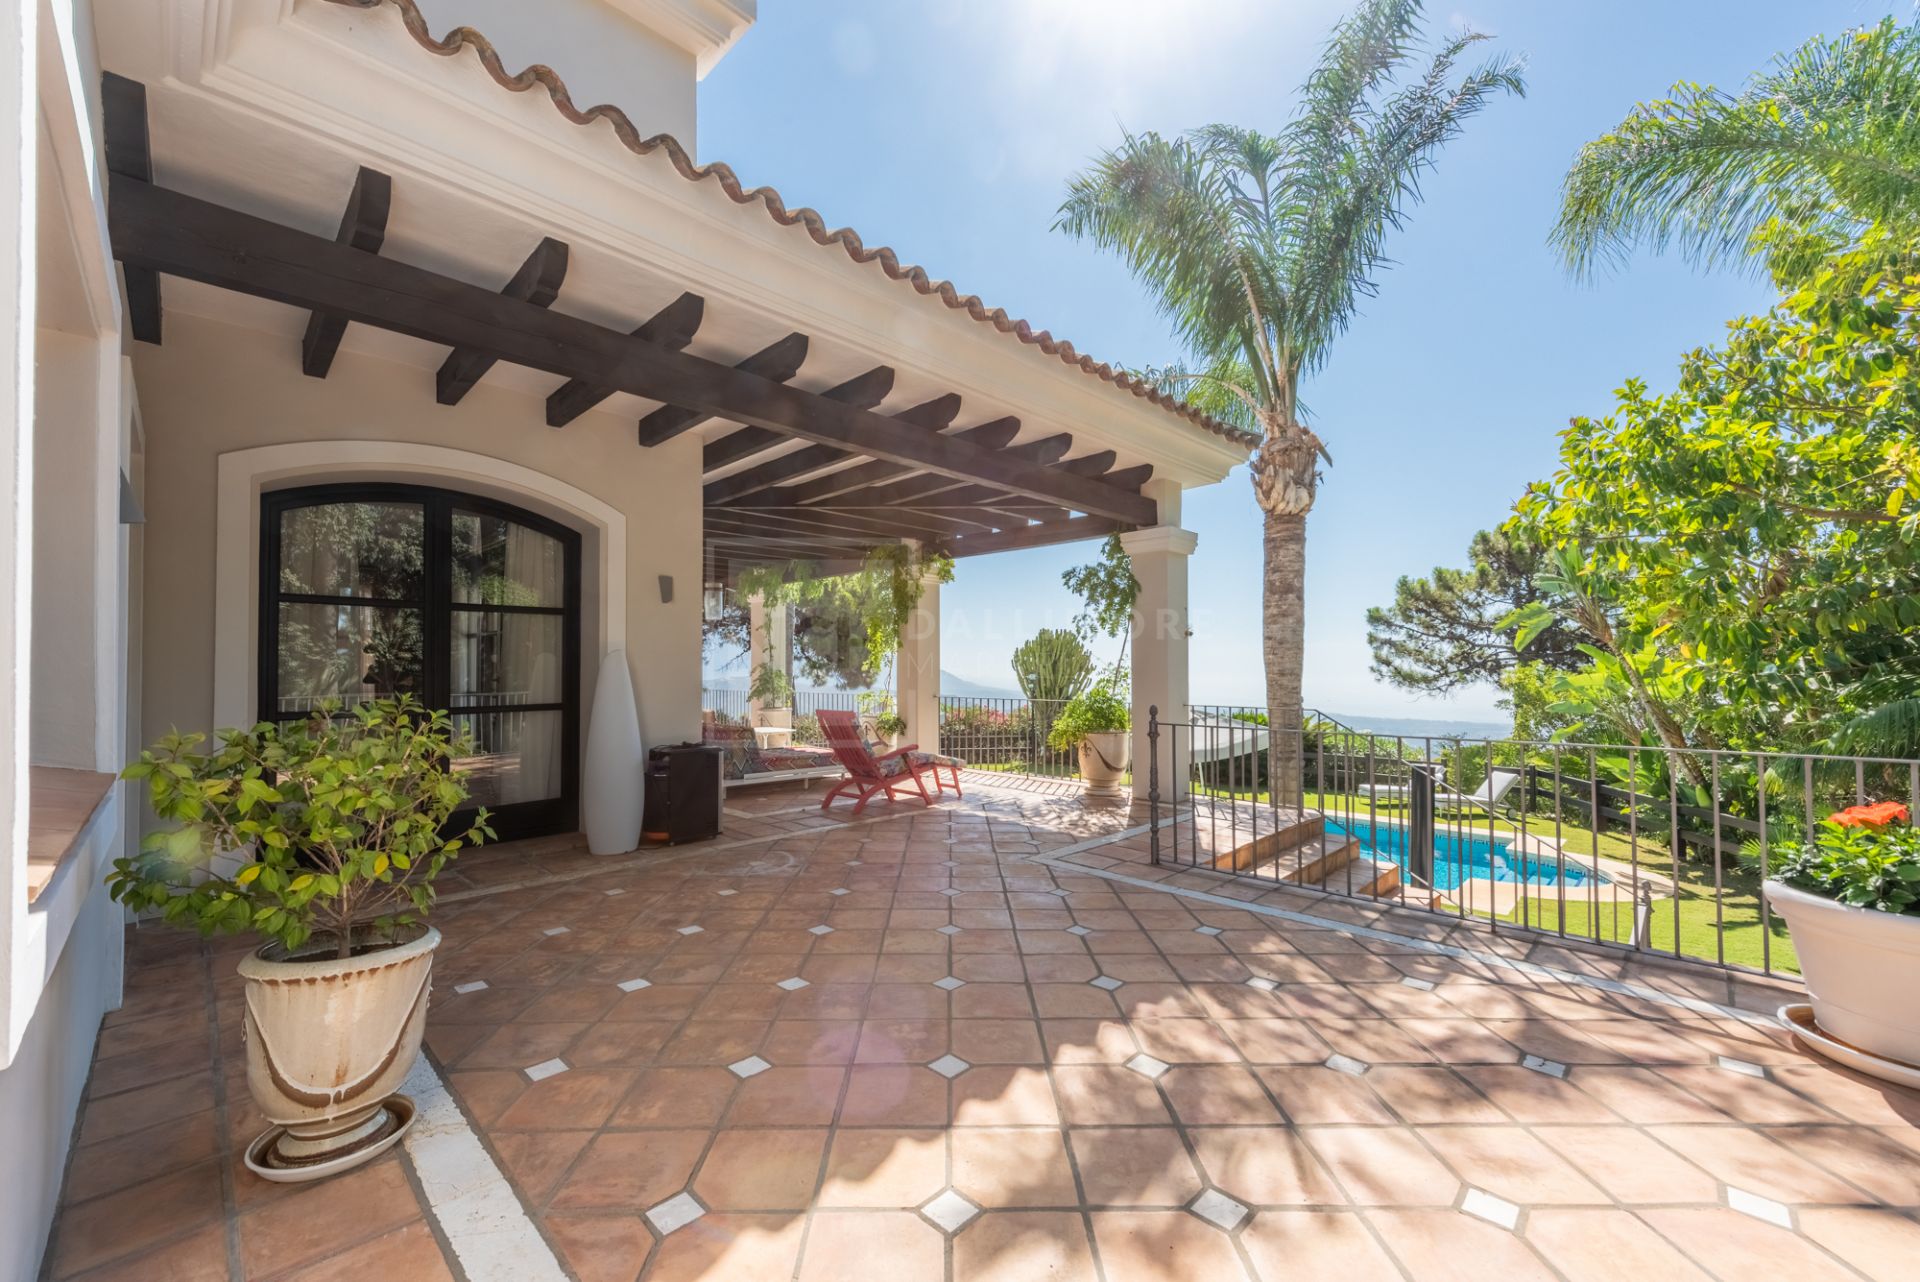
(1337, 863)
(1288, 832)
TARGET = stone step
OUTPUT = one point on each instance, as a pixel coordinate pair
(1338, 863)
(1289, 834)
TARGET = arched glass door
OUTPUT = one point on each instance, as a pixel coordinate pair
(464, 603)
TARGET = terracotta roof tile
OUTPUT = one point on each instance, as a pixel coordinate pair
(846, 238)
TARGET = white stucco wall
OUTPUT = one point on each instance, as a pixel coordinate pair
(215, 389)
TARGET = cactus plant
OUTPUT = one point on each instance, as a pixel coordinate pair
(1053, 666)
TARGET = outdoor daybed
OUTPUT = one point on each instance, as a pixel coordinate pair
(746, 764)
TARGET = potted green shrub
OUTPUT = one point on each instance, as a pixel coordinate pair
(1851, 898)
(323, 837)
(1096, 722)
(890, 726)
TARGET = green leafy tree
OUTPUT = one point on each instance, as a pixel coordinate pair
(1260, 246)
(1798, 165)
(846, 628)
(1443, 632)
(1757, 528)
(1052, 666)
(1108, 590)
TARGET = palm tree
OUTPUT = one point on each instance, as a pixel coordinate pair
(1799, 164)
(1259, 247)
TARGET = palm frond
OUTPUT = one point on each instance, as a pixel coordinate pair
(1816, 149)
(1890, 730)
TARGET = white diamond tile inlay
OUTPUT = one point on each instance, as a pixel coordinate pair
(749, 1066)
(949, 863)
(634, 985)
(951, 1211)
(1347, 1064)
(840, 891)
(1760, 1208)
(950, 983)
(855, 863)
(793, 985)
(819, 930)
(546, 1068)
(728, 891)
(1494, 1210)
(692, 930)
(1107, 982)
(1061, 891)
(676, 1212)
(1206, 930)
(1078, 930)
(472, 986)
(949, 1066)
(556, 930)
(1551, 1067)
(1218, 1209)
(1147, 1066)
(1262, 983)
(616, 890)
(950, 892)
(948, 930)
(1740, 1066)
(1424, 985)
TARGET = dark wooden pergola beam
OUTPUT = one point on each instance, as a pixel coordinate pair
(864, 390)
(537, 282)
(994, 435)
(168, 231)
(778, 361)
(929, 416)
(364, 227)
(986, 495)
(890, 523)
(130, 155)
(672, 327)
(1037, 536)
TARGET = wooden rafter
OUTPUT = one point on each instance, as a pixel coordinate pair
(537, 282)
(988, 436)
(930, 416)
(864, 390)
(1036, 536)
(364, 227)
(672, 327)
(778, 361)
(130, 155)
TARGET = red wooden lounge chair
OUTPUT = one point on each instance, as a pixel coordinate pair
(867, 774)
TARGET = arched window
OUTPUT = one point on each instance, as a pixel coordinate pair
(466, 604)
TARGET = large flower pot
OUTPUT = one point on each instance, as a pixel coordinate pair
(1862, 968)
(329, 1040)
(1103, 761)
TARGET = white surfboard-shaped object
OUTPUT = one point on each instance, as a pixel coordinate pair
(615, 772)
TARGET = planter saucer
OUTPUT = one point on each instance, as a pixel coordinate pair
(400, 1112)
(1797, 1018)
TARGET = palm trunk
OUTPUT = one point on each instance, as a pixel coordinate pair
(1284, 631)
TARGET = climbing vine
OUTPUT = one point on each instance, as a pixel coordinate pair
(847, 626)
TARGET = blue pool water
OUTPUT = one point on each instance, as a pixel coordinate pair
(1460, 856)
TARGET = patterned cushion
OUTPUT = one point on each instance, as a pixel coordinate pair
(936, 759)
(891, 766)
(740, 755)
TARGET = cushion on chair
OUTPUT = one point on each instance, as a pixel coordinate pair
(936, 759)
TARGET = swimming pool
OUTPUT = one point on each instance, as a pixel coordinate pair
(1458, 856)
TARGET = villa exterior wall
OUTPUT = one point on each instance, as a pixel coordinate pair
(215, 389)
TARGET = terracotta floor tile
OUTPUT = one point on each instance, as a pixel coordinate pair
(1264, 1166)
(313, 1222)
(1446, 1246)
(1184, 1041)
(1751, 1100)
(582, 1097)
(1102, 1095)
(1218, 1095)
(842, 1246)
(1851, 1095)
(1604, 1245)
(135, 1110)
(1740, 1247)
(1383, 1166)
(625, 1170)
(138, 1156)
(883, 1095)
(1164, 1246)
(676, 1097)
(1421, 1094)
(1510, 1163)
(1004, 1096)
(200, 1256)
(600, 1247)
(1013, 1168)
(811, 1041)
(1021, 1246)
(725, 1245)
(1145, 1166)
(1275, 1041)
(886, 1169)
(1313, 1095)
(719, 1041)
(1748, 1159)
(1073, 1001)
(902, 1041)
(518, 1045)
(1527, 1096)
(788, 1097)
(1643, 1096)
(537, 1160)
(1088, 1041)
(994, 1001)
(410, 1252)
(1285, 1245)
(997, 1041)
(621, 1043)
(1375, 1041)
(1886, 1171)
(1882, 1244)
(1631, 1167)
(761, 1170)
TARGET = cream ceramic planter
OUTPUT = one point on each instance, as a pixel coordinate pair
(1862, 968)
(329, 1041)
(1103, 761)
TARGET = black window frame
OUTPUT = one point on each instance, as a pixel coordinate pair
(437, 608)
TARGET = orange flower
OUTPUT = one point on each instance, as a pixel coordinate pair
(1874, 816)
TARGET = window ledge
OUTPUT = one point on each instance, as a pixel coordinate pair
(61, 803)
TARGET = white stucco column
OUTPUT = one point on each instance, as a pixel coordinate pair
(1159, 646)
(916, 669)
(769, 639)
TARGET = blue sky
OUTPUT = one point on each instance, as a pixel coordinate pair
(947, 129)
